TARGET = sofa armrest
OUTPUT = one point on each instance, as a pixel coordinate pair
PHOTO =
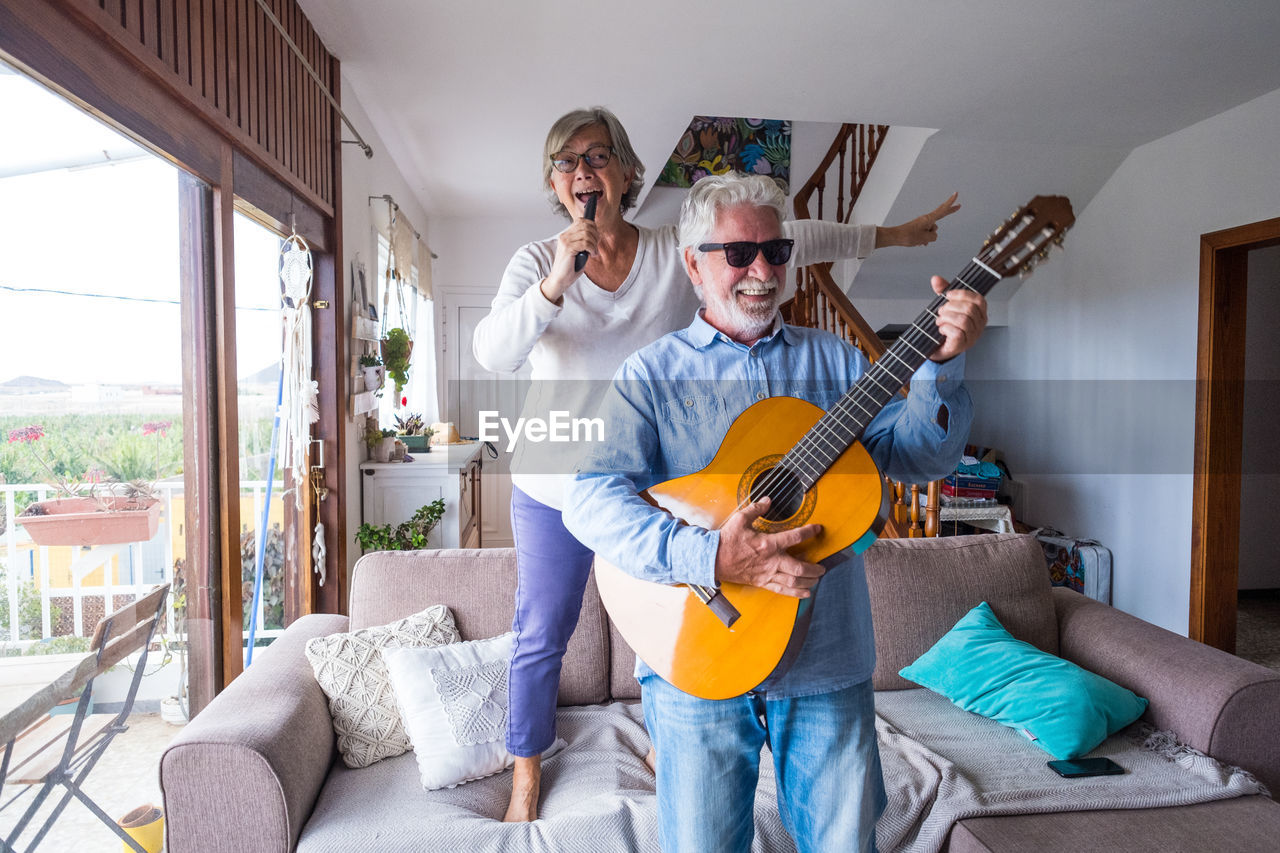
(1216, 702)
(244, 774)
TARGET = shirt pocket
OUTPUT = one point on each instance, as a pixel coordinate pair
(693, 426)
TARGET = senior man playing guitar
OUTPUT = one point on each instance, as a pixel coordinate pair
(671, 405)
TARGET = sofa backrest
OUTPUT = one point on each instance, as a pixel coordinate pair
(921, 587)
(478, 586)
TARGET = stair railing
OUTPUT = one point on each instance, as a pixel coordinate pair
(821, 304)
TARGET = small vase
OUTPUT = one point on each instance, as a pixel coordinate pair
(373, 377)
(383, 449)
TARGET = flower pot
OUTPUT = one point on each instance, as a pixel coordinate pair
(383, 449)
(373, 377)
(416, 443)
(83, 521)
(171, 711)
(145, 825)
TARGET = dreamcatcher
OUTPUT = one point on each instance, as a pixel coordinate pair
(299, 401)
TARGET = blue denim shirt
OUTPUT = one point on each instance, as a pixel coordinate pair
(667, 411)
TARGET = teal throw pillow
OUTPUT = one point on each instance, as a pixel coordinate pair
(1063, 709)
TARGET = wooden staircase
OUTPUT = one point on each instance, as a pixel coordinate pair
(820, 303)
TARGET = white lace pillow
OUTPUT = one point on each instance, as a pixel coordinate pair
(351, 673)
(453, 700)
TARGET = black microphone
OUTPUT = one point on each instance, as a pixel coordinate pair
(580, 260)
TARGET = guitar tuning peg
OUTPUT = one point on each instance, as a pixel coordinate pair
(1026, 271)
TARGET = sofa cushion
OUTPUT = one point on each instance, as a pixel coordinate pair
(453, 700)
(387, 585)
(921, 587)
(1063, 709)
(351, 673)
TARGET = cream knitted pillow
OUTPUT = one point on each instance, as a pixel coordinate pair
(350, 671)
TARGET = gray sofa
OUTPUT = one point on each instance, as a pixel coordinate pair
(257, 769)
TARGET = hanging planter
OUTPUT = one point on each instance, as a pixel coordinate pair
(397, 349)
(92, 521)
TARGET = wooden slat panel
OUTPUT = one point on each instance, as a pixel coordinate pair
(131, 18)
(128, 616)
(182, 41)
(229, 59)
(165, 34)
(287, 115)
(274, 134)
(250, 118)
(150, 24)
(243, 78)
(208, 62)
(112, 8)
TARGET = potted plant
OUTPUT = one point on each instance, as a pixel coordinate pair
(381, 442)
(397, 349)
(414, 432)
(407, 536)
(372, 370)
(85, 514)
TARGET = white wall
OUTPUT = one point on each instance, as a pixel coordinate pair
(1090, 390)
(1260, 483)
(361, 178)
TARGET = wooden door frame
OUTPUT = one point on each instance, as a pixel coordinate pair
(1220, 365)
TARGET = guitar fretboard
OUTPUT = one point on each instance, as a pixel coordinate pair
(844, 423)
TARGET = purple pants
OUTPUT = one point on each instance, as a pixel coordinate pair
(553, 568)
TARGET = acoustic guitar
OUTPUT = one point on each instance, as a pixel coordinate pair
(718, 642)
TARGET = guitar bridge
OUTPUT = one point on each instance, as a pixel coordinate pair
(720, 606)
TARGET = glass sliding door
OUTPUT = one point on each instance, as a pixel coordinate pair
(92, 402)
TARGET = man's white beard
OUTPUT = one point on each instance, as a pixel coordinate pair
(743, 321)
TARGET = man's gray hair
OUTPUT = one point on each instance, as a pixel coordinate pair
(715, 193)
(572, 122)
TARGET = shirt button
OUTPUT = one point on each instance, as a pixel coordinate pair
(755, 353)
(688, 401)
(760, 395)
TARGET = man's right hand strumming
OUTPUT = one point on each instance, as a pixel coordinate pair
(747, 556)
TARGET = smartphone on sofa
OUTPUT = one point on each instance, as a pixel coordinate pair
(1081, 767)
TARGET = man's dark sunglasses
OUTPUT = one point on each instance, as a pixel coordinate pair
(742, 252)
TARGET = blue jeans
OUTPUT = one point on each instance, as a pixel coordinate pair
(827, 765)
(552, 568)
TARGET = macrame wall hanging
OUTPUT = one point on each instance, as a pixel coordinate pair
(299, 403)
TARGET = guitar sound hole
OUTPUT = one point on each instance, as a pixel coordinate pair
(784, 490)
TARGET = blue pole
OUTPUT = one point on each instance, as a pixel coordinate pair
(260, 546)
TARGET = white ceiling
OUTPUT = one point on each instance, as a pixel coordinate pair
(1028, 96)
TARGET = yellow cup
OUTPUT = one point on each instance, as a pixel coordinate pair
(145, 825)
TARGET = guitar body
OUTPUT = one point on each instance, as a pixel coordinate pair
(678, 635)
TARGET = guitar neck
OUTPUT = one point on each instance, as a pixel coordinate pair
(846, 421)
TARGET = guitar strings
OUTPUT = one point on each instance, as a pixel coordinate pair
(826, 427)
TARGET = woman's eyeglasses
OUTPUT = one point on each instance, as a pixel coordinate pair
(742, 252)
(597, 158)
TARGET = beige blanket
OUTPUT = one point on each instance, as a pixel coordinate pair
(942, 764)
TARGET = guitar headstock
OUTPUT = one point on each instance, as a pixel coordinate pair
(1025, 238)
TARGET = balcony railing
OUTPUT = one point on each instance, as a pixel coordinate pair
(58, 574)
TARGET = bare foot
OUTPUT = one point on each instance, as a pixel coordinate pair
(525, 782)
(652, 761)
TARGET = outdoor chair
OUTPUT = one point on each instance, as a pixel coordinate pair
(51, 750)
